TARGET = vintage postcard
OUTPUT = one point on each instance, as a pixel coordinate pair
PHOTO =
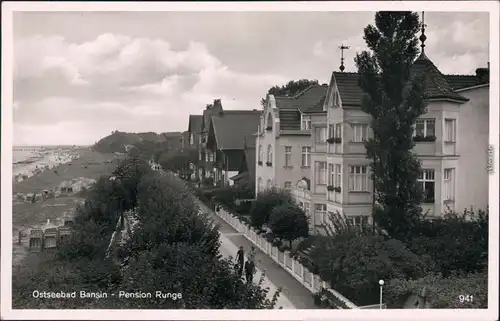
(250, 161)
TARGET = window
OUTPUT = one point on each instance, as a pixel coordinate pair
(358, 179)
(269, 153)
(269, 121)
(426, 178)
(450, 126)
(338, 131)
(191, 139)
(288, 155)
(320, 212)
(320, 173)
(288, 185)
(449, 187)
(261, 153)
(425, 128)
(331, 131)
(331, 175)
(269, 183)
(259, 184)
(306, 123)
(306, 156)
(359, 132)
(338, 173)
(320, 135)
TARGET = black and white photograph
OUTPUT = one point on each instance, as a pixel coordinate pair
(228, 158)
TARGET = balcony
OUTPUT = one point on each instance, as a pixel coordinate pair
(334, 194)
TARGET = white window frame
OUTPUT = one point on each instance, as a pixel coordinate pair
(269, 183)
(261, 153)
(320, 134)
(321, 173)
(427, 176)
(449, 184)
(288, 185)
(426, 122)
(359, 132)
(259, 184)
(331, 175)
(305, 122)
(269, 153)
(288, 155)
(306, 156)
(338, 130)
(359, 220)
(358, 178)
(320, 208)
(338, 175)
(450, 130)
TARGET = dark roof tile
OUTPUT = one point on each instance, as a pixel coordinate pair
(231, 127)
(290, 107)
(195, 123)
(437, 84)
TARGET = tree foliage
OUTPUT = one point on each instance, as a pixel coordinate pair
(265, 203)
(173, 248)
(289, 222)
(352, 260)
(290, 89)
(455, 242)
(457, 292)
(394, 99)
(179, 160)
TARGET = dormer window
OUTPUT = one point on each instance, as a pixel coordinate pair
(305, 123)
(269, 126)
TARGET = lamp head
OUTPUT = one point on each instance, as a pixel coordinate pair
(381, 282)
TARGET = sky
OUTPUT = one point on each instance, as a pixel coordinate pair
(78, 76)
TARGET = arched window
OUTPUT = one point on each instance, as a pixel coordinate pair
(269, 153)
(269, 122)
(259, 183)
(261, 153)
(269, 183)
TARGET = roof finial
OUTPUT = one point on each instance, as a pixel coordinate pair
(422, 36)
(342, 47)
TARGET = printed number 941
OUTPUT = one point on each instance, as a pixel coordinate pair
(466, 298)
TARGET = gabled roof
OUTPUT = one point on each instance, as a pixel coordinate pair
(291, 107)
(195, 122)
(231, 127)
(214, 109)
(437, 85)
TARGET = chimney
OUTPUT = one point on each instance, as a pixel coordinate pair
(483, 75)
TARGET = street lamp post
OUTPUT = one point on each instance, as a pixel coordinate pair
(381, 283)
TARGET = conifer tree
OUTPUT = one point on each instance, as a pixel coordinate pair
(394, 97)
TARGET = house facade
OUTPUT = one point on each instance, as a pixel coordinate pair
(226, 142)
(451, 143)
(206, 155)
(194, 136)
(246, 172)
(283, 155)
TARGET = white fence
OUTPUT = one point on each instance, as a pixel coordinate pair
(311, 281)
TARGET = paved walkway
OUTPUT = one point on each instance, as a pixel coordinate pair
(293, 295)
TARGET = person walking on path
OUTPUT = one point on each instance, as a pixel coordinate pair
(249, 271)
(240, 260)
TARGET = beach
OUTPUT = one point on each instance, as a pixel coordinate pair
(69, 171)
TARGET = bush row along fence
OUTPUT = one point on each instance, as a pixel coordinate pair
(311, 281)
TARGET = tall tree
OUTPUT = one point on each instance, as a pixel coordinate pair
(291, 88)
(395, 98)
